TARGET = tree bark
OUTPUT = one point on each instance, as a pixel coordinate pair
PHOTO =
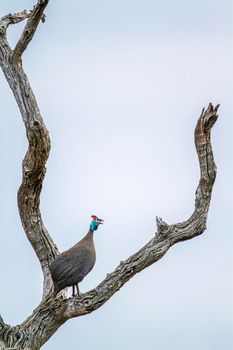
(52, 312)
(38, 149)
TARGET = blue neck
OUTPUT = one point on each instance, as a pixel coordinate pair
(94, 225)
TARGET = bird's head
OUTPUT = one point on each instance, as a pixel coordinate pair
(95, 222)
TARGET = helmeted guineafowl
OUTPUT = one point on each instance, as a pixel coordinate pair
(70, 267)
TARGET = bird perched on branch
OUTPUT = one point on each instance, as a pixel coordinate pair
(70, 267)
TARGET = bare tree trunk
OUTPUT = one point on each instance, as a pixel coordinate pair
(53, 312)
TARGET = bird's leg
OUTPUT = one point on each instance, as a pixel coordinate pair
(78, 293)
(73, 290)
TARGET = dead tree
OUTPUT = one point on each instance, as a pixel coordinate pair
(52, 312)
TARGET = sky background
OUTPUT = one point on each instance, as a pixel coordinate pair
(120, 85)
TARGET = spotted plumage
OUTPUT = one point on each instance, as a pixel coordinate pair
(70, 267)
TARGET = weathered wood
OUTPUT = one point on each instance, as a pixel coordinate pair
(53, 312)
(36, 15)
(37, 153)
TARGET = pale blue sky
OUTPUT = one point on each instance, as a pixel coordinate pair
(120, 85)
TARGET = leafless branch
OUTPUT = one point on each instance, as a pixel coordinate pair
(36, 156)
(13, 19)
(35, 16)
(53, 312)
(167, 235)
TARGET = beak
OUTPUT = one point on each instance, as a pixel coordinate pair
(100, 221)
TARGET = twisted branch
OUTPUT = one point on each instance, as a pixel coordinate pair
(38, 139)
(52, 313)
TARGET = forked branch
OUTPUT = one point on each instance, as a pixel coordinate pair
(53, 312)
(33, 18)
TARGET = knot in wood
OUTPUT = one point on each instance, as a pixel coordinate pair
(163, 227)
(87, 303)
